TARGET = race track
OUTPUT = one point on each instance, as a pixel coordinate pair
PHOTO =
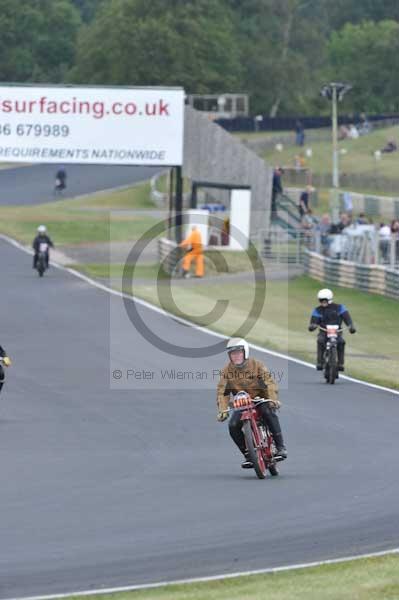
(35, 184)
(110, 487)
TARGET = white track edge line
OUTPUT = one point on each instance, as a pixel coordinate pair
(194, 580)
(102, 591)
(163, 312)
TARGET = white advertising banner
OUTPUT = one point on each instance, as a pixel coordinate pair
(93, 125)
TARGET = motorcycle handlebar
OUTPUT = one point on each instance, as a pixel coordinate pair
(324, 329)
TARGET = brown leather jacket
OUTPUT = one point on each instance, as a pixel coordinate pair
(253, 377)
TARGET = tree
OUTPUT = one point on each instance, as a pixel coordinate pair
(283, 51)
(173, 42)
(367, 56)
(87, 8)
(37, 39)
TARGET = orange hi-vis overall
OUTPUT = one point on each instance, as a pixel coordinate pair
(196, 253)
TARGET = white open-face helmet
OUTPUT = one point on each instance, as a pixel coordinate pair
(41, 229)
(238, 344)
(325, 294)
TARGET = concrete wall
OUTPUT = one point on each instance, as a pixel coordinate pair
(212, 154)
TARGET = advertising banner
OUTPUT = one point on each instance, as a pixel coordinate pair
(93, 125)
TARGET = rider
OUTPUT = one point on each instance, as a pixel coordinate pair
(7, 362)
(329, 313)
(41, 238)
(60, 179)
(252, 376)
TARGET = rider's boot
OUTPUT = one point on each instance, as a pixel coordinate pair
(341, 357)
(247, 464)
(274, 425)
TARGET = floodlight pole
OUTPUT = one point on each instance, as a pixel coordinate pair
(335, 177)
(334, 92)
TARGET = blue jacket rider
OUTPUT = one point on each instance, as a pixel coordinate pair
(330, 313)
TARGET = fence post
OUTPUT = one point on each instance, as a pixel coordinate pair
(392, 252)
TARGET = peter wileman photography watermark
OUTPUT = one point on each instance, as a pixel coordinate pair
(178, 353)
(176, 375)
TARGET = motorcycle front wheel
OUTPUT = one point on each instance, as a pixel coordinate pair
(255, 454)
(333, 363)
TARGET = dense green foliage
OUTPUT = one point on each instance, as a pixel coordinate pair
(279, 51)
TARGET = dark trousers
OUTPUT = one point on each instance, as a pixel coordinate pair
(36, 256)
(1, 377)
(321, 346)
(270, 420)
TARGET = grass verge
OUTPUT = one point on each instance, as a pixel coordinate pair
(76, 221)
(356, 158)
(372, 354)
(363, 579)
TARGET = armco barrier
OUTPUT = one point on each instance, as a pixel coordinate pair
(168, 253)
(369, 278)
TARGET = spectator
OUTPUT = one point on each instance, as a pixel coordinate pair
(343, 132)
(384, 234)
(362, 219)
(348, 204)
(395, 237)
(324, 227)
(277, 188)
(304, 201)
(344, 221)
(299, 161)
(390, 146)
(364, 126)
(353, 132)
(299, 133)
(308, 224)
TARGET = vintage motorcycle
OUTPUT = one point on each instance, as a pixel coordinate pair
(330, 358)
(258, 439)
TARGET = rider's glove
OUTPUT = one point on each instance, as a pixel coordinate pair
(352, 329)
(6, 361)
(222, 416)
(312, 327)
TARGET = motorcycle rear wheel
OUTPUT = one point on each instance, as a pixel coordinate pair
(255, 455)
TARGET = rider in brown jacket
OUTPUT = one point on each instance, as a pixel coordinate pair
(249, 375)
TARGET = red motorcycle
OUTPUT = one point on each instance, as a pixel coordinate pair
(258, 439)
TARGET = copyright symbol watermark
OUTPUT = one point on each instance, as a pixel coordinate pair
(167, 342)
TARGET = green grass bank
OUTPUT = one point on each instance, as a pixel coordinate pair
(363, 579)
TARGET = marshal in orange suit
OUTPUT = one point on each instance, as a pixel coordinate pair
(193, 241)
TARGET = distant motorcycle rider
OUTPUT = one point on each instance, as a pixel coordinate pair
(330, 313)
(60, 179)
(41, 238)
(252, 376)
(5, 361)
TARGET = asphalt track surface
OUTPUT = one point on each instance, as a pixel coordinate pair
(111, 487)
(35, 184)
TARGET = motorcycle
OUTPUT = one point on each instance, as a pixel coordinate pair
(258, 439)
(59, 186)
(330, 357)
(41, 262)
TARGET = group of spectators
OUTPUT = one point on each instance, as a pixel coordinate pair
(388, 234)
(353, 131)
